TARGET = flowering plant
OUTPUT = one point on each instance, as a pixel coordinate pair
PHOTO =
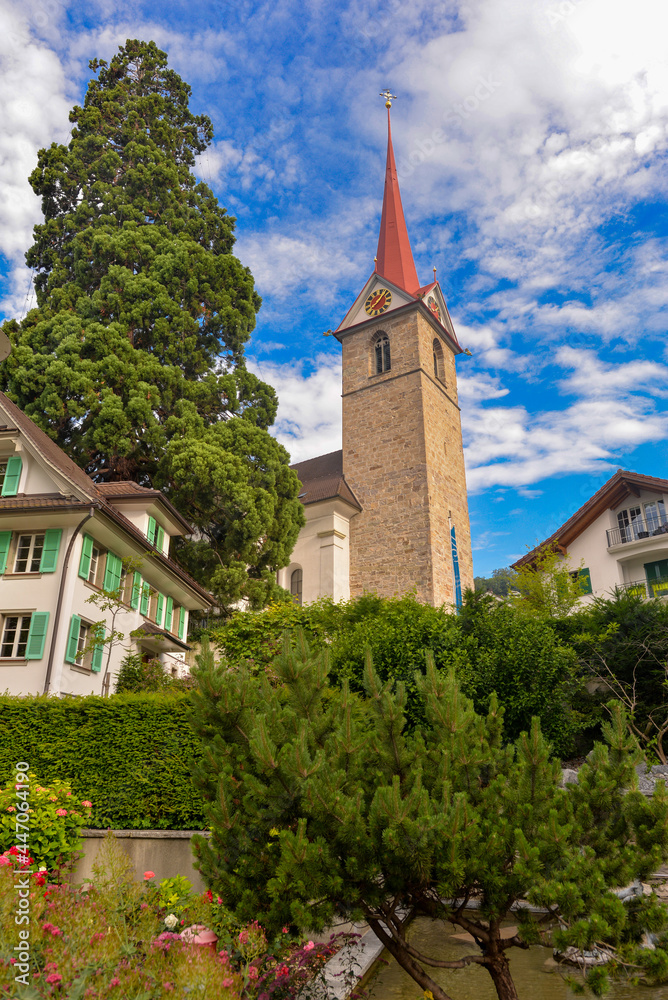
(55, 817)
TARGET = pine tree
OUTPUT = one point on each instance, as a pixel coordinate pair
(133, 360)
(320, 802)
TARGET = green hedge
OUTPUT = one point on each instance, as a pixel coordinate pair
(131, 755)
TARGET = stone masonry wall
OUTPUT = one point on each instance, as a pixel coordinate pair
(402, 457)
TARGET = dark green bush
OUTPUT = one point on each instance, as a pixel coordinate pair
(131, 755)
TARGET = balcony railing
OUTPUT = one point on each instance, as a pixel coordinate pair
(643, 588)
(640, 528)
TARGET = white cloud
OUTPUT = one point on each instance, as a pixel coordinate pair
(35, 106)
(309, 411)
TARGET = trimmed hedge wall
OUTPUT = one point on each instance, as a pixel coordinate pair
(130, 754)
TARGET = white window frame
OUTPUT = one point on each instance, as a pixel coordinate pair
(82, 642)
(31, 558)
(21, 626)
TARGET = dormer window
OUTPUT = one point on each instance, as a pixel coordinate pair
(382, 360)
(156, 534)
(10, 474)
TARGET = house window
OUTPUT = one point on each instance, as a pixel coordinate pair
(15, 636)
(583, 578)
(82, 642)
(296, 586)
(3, 473)
(439, 364)
(655, 515)
(28, 553)
(630, 524)
(382, 361)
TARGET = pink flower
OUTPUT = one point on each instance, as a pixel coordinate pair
(11, 809)
(52, 929)
(85, 802)
(243, 937)
(286, 930)
(4, 860)
(252, 972)
(309, 946)
(61, 812)
(55, 977)
(228, 982)
(148, 875)
(53, 798)
(115, 981)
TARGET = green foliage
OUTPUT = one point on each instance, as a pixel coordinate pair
(133, 360)
(622, 643)
(320, 800)
(137, 675)
(131, 755)
(491, 646)
(175, 894)
(522, 660)
(500, 582)
(545, 586)
(55, 821)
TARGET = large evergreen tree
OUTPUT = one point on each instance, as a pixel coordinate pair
(133, 359)
(320, 803)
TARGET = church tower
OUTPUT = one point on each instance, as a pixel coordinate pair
(402, 438)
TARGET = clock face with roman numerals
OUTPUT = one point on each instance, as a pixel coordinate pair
(378, 301)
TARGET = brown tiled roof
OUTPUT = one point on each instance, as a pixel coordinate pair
(42, 501)
(48, 448)
(150, 628)
(620, 486)
(129, 490)
(96, 496)
(322, 479)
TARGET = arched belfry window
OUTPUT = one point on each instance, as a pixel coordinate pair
(381, 354)
(296, 581)
(439, 365)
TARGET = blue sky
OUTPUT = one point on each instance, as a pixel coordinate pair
(530, 140)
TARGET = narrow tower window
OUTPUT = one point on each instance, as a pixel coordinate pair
(382, 355)
(296, 586)
(439, 366)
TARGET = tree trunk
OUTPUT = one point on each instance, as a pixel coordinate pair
(408, 963)
(499, 969)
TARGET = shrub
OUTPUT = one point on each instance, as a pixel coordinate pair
(55, 821)
(131, 755)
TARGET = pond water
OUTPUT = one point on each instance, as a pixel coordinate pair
(532, 971)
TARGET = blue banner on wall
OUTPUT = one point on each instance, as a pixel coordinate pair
(455, 568)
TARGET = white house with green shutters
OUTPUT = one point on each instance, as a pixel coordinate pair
(64, 541)
(618, 539)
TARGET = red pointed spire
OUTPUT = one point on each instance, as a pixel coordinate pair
(394, 256)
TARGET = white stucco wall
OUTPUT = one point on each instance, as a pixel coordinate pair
(323, 552)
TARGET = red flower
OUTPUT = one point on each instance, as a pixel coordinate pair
(283, 971)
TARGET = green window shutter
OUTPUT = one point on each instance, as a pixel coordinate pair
(86, 555)
(584, 579)
(37, 635)
(145, 599)
(72, 639)
(10, 487)
(96, 660)
(169, 608)
(112, 572)
(159, 609)
(182, 622)
(136, 591)
(150, 534)
(5, 542)
(49, 560)
(160, 537)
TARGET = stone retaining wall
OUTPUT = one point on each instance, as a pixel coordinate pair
(165, 852)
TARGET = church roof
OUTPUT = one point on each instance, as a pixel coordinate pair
(394, 257)
(322, 479)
